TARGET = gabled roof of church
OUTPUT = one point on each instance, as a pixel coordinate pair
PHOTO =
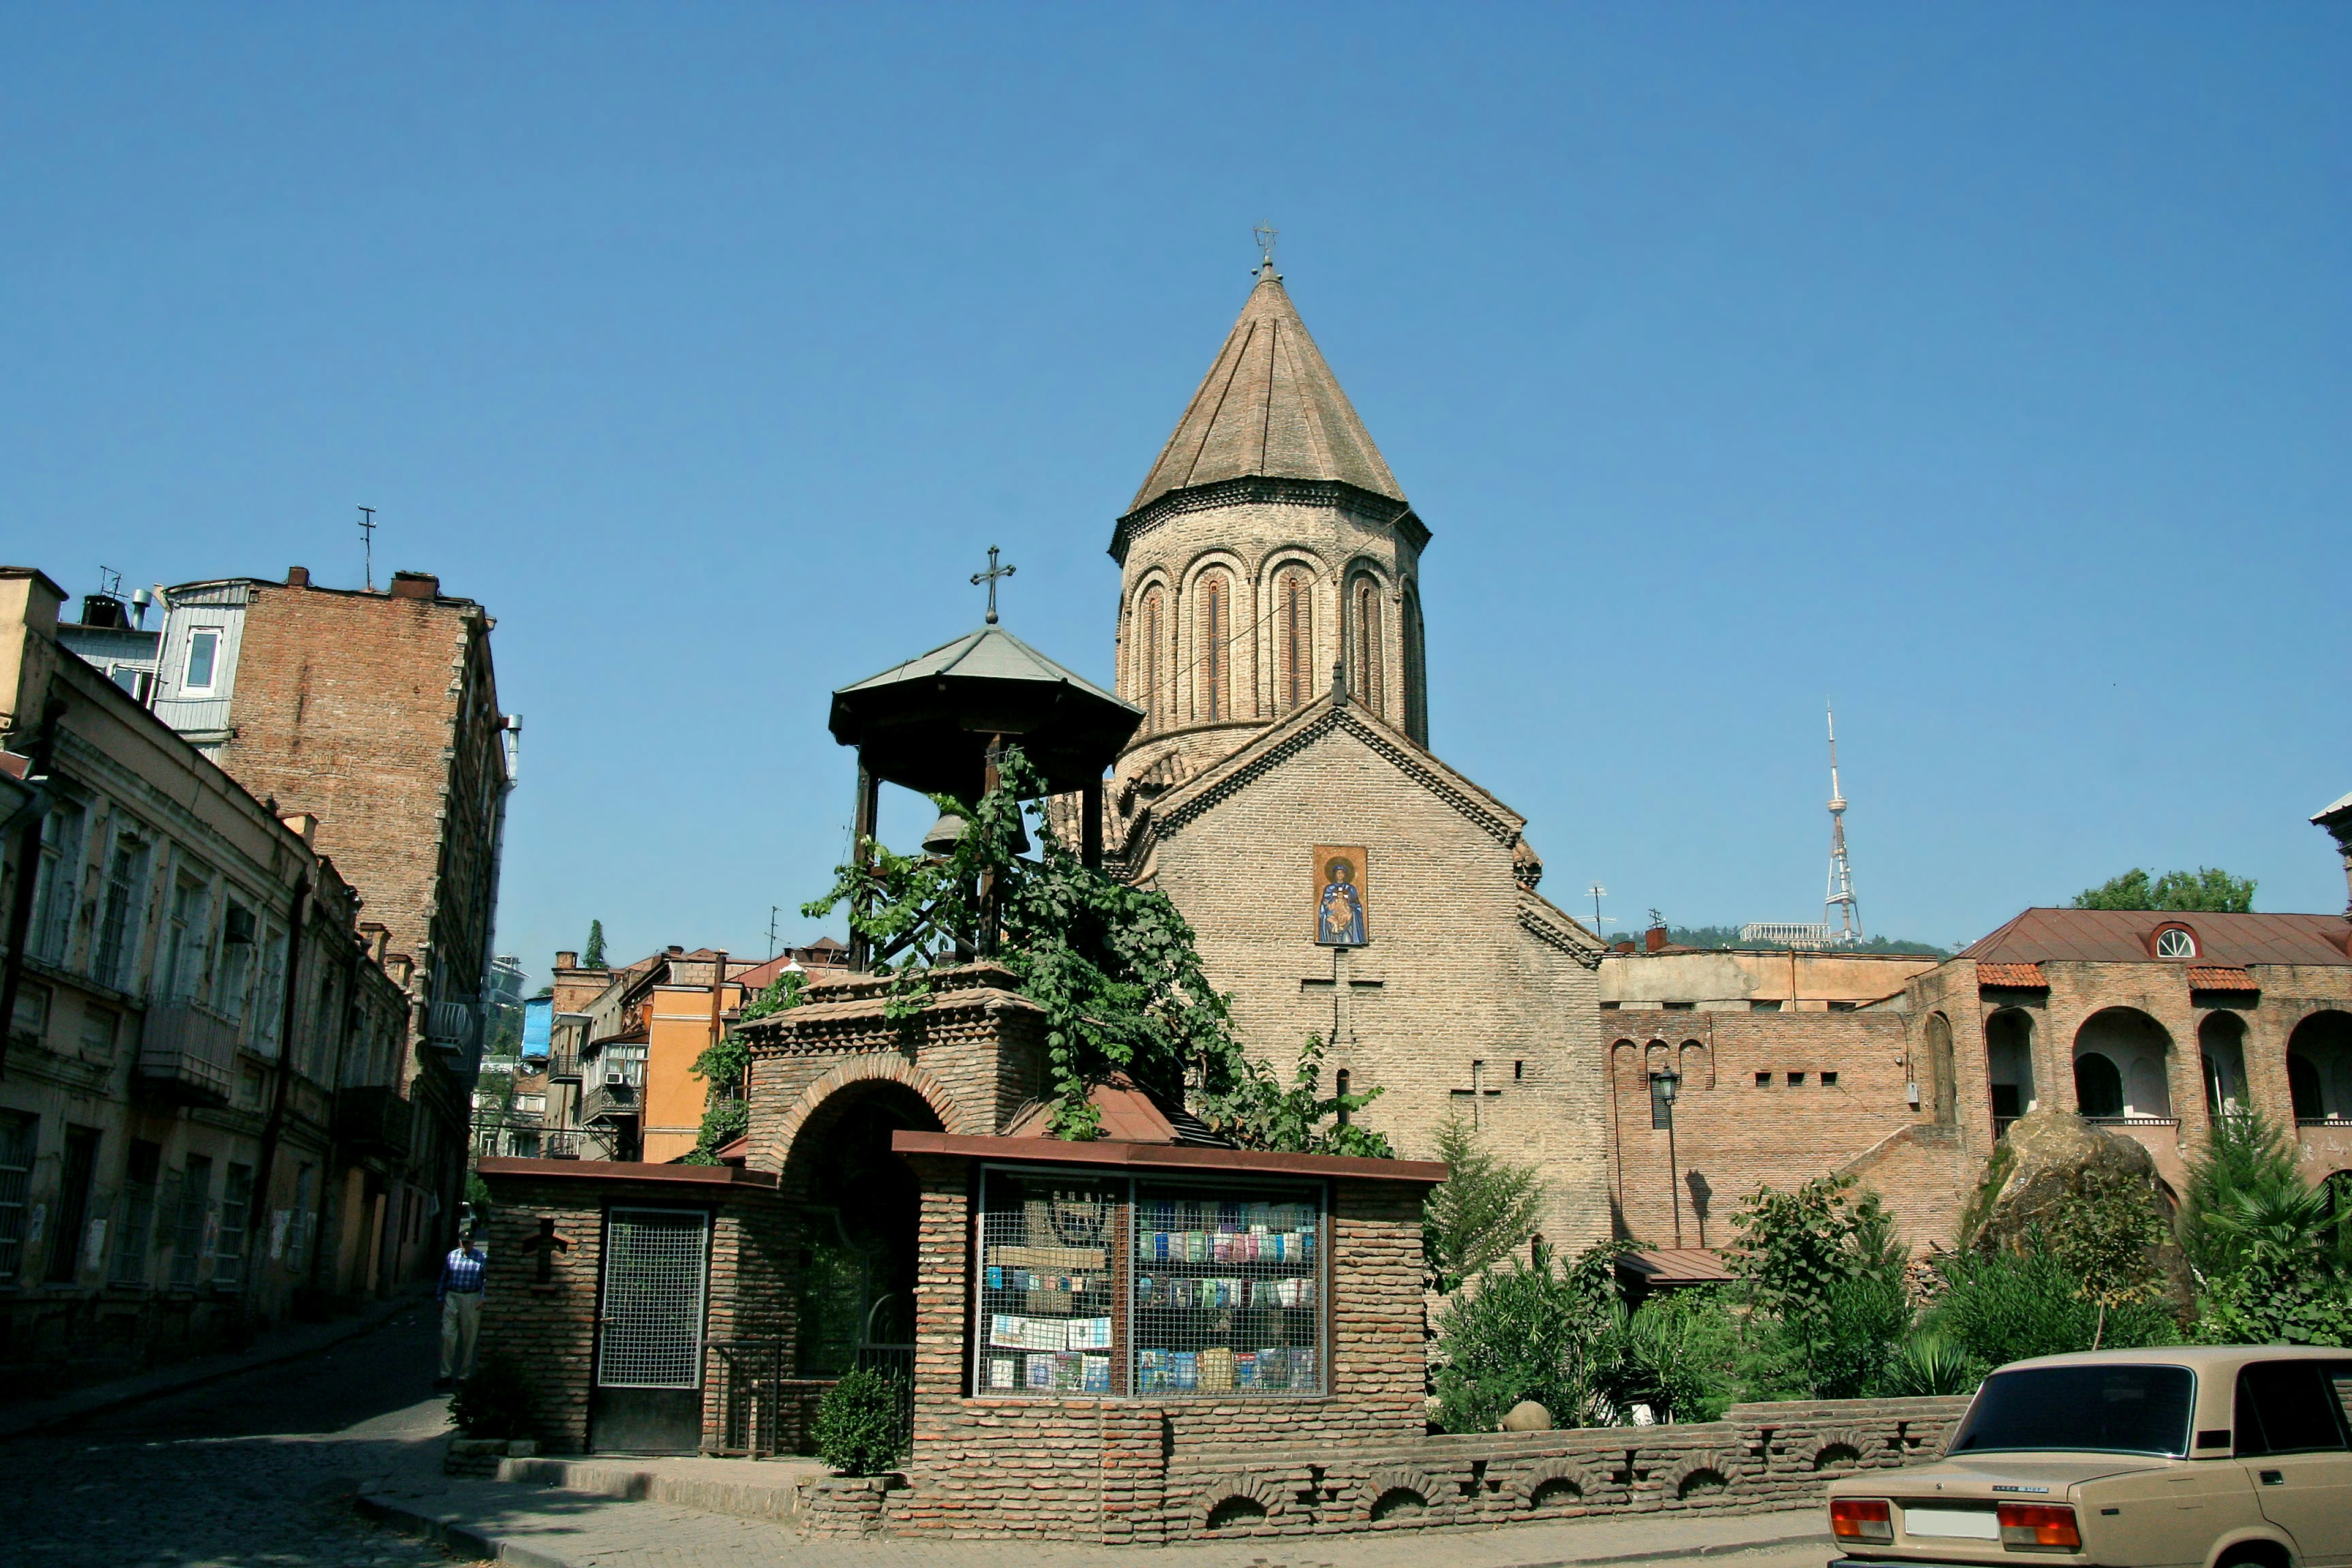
(1270, 408)
(1271, 746)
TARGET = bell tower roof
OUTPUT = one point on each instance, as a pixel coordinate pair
(1269, 408)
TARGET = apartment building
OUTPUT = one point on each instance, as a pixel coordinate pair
(204, 1119)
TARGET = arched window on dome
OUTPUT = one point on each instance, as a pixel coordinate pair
(1364, 643)
(1215, 633)
(1149, 667)
(1294, 636)
(1416, 676)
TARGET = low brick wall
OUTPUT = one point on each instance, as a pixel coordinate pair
(1121, 1472)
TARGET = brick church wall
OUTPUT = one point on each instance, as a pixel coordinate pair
(1451, 975)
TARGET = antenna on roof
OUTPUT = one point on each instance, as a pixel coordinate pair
(367, 532)
(110, 583)
(1265, 234)
(1840, 901)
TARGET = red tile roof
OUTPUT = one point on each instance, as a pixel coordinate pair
(2022, 976)
(2123, 936)
(2216, 977)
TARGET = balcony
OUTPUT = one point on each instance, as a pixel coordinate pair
(609, 1102)
(564, 1066)
(373, 1121)
(451, 1025)
(186, 1055)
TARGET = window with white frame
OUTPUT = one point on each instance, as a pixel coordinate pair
(2176, 941)
(1171, 1289)
(203, 659)
(54, 884)
(119, 919)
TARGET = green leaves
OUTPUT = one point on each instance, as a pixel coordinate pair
(2273, 1256)
(1484, 1212)
(2208, 888)
(1258, 1112)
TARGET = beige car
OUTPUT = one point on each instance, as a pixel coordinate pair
(2197, 1456)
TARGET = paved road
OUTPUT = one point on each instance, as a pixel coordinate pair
(253, 1471)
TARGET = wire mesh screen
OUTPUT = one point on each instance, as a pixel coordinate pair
(652, 1334)
(1228, 1295)
(1049, 1299)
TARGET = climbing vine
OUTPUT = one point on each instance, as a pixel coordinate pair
(1114, 968)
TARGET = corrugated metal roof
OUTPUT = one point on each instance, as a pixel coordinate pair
(1677, 1266)
(2020, 976)
(2123, 936)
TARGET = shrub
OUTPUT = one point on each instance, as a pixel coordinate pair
(1824, 1262)
(2002, 1307)
(496, 1402)
(1927, 1363)
(861, 1421)
(1679, 1353)
(1528, 1331)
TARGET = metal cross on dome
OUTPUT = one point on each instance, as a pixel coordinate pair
(990, 577)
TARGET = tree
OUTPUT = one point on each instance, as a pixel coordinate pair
(1481, 1213)
(1824, 1263)
(2271, 1256)
(2207, 889)
(1114, 968)
(593, 955)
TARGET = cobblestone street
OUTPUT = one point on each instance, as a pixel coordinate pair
(256, 1469)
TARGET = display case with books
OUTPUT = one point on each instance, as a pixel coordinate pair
(1049, 1251)
(1227, 1298)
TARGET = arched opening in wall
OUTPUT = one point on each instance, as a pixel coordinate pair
(1294, 639)
(2008, 1066)
(1215, 633)
(1657, 1059)
(2098, 1088)
(1150, 665)
(1696, 1066)
(856, 1255)
(1943, 1091)
(1364, 638)
(2137, 1055)
(1416, 672)
(2222, 1054)
(2320, 1067)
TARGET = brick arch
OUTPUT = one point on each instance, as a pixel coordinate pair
(1852, 1440)
(1554, 1473)
(1388, 1480)
(1696, 1063)
(1688, 1472)
(874, 1068)
(1218, 1491)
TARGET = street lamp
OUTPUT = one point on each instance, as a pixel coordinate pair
(1663, 1083)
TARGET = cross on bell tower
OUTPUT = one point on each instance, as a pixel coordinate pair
(990, 577)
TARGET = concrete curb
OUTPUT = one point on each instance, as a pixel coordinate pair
(103, 1398)
(449, 1530)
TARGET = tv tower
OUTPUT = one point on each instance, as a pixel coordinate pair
(1842, 904)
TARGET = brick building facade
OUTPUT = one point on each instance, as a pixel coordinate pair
(202, 1088)
(376, 713)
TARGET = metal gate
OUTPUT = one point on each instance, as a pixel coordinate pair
(648, 1392)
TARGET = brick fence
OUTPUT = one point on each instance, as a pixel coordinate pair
(1760, 1456)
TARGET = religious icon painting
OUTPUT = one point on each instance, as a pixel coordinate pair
(1341, 878)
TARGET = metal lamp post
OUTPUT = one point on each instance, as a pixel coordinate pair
(1664, 1084)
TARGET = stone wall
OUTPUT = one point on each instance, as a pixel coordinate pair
(1148, 1486)
(1777, 1098)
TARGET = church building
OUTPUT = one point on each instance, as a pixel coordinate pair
(1344, 882)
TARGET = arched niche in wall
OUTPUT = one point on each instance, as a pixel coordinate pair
(2221, 1061)
(2137, 1050)
(2320, 1067)
(2009, 1064)
(1943, 1085)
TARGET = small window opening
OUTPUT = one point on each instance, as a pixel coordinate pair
(1829, 1081)
(1796, 1079)
(1763, 1081)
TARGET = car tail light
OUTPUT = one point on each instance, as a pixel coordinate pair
(2039, 1527)
(1862, 1519)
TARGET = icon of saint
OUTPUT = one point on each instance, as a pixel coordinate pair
(1342, 909)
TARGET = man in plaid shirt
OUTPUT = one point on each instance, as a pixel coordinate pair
(460, 1295)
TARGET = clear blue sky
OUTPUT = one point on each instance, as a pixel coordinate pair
(1984, 367)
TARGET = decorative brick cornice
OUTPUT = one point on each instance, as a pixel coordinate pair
(1534, 919)
(1260, 490)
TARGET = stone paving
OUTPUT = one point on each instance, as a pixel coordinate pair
(253, 1470)
(261, 1470)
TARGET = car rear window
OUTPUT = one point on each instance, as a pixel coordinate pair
(2108, 1409)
